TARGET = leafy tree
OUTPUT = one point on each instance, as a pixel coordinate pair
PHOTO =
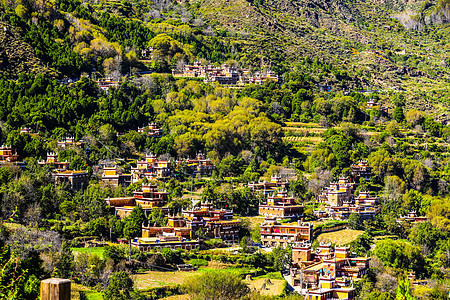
(157, 218)
(401, 255)
(362, 244)
(230, 166)
(426, 234)
(120, 287)
(281, 258)
(217, 285)
(133, 225)
(354, 221)
(171, 256)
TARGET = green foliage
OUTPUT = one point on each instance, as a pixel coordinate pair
(404, 290)
(198, 262)
(20, 277)
(401, 255)
(120, 287)
(281, 258)
(398, 114)
(216, 285)
(426, 234)
(157, 218)
(171, 256)
(362, 244)
(66, 263)
(354, 221)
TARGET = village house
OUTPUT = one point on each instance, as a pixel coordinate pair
(69, 141)
(197, 70)
(200, 165)
(115, 177)
(226, 75)
(24, 130)
(326, 273)
(164, 241)
(176, 225)
(411, 217)
(105, 83)
(148, 197)
(338, 192)
(152, 130)
(275, 183)
(274, 234)
(78, 180)
(371, 103)
(151, 168)
(52, 158)
(182, 229)
(214, 223)
(259, 78)
(361, 170)
(6, 154)
(280, 206)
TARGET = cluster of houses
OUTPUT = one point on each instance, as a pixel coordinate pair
(182, 231)
(339, 199)
(269, 187)
(324, 273)
(153, 168)
(327, 272)
(225, 74)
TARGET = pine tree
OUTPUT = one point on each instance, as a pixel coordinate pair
(66, 263)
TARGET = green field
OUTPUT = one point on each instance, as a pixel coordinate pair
(94, 250)
(92, 295)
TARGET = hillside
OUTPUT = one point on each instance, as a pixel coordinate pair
(17, 56)
(366, 42)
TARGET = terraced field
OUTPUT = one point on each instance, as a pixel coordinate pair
(341, 237)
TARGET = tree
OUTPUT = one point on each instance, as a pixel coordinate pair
(392, 128)
(354, 221)
(120, 287)
(401, 255)
(414, 117)
(216, 285)
(133, 225)
(281, 258)
(22, 11)
(404, 290)
(426, 234)
(66, 262)
(398, 114)
(362, 244)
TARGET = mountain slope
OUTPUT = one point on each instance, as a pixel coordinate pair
(17, 56)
